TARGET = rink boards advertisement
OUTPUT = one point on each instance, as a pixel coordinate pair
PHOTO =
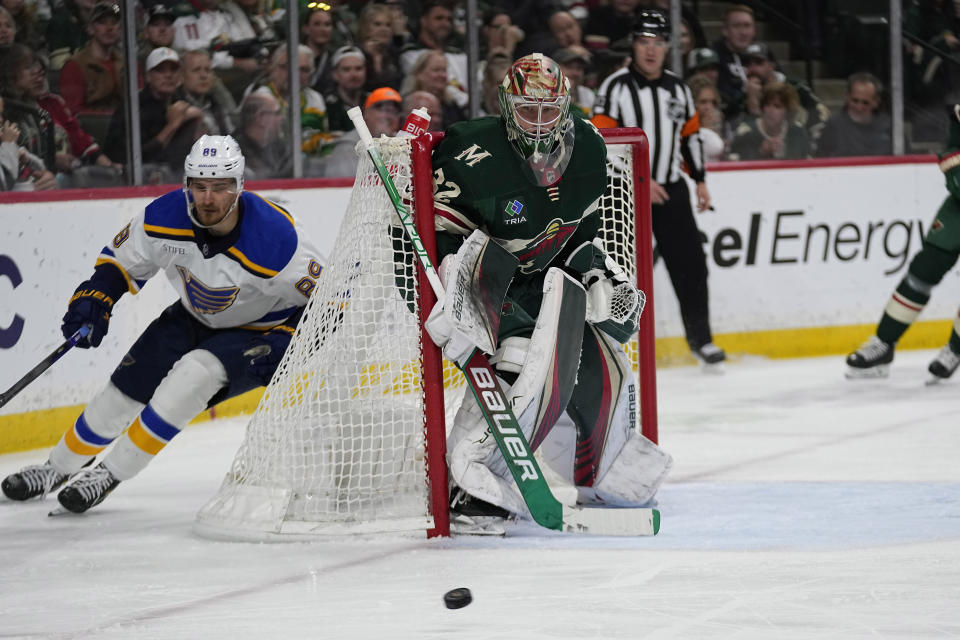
(798, 256)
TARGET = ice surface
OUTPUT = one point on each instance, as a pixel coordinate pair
(801, 505)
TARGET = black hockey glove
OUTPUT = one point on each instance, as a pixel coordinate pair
(265, 352)
(88, 306)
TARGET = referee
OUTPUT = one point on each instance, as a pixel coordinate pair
(647, 96)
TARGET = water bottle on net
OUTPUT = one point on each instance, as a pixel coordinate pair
(417, 122)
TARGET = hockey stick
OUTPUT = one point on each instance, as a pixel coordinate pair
(44, 364)
(545, 509)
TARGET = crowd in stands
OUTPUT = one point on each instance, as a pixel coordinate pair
(220, 67)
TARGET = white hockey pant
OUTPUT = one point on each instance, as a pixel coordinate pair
(182, 394)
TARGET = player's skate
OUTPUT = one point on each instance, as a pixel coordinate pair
(30, 482)
(711, 357)
(470, 516)
(87, 489)
(872, 360)
(943, 366)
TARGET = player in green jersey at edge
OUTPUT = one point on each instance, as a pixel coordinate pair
(941, 247)
(516, 212)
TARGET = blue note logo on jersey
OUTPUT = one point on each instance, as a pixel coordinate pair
(206, 299)
(513, 211)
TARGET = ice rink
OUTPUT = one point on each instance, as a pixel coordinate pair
(801, 505)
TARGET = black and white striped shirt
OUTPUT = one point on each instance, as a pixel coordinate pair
(664, 109)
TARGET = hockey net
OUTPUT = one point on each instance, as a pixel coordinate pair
(349, 437)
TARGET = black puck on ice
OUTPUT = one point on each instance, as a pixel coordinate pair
(457, 598)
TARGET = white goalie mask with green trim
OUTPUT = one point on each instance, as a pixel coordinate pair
(535, 107)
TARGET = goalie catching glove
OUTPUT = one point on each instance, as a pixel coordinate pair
(614, 304)
(467, 315)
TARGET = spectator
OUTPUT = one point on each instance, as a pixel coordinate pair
(205, 91)
(858, 129)
(495, 67)
(428, 101)
(314, 127)
(168, 123)
(430, 74)
(612, 22)
(375, 36)
(79, 160)
(19, 169)
(67, 30)
(317, 32)
(158, 32)
(812, 114)
(774, 135)
(18, 86)
(8, 30)
(225, 30)
(381, 112)
(574, 62)
(29, 31)
(565, 29)
(498, 32)
(713, 128)
(703, 62)
(92, 79)
(739, 31)
(261, 121)
(349, 77)
(436, 27)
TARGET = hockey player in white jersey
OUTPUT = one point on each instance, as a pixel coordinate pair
(243, 270)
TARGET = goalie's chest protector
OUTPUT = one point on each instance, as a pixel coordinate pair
(480, 177)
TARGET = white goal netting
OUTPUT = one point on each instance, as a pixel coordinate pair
(337, 444)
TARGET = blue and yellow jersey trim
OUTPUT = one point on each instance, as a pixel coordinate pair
(267, 240)
(108, 257)
(166, 217)
(268, 237)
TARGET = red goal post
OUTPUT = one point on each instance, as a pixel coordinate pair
(625, 210)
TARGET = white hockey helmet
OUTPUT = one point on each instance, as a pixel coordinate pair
(214, 157)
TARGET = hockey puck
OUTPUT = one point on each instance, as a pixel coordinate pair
(457, 598)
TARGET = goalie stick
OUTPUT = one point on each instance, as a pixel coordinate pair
(43, 365)
(545, 509)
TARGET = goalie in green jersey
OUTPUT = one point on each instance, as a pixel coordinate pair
(527, 281)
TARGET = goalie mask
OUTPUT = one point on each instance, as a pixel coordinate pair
(213, 157)
(535, 107)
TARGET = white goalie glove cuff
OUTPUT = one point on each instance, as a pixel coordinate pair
(456, 345)
(441, 325)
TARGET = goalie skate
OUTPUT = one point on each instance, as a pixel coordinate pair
(470, 516)
(872, 360)
(30, 482)
(943, 366)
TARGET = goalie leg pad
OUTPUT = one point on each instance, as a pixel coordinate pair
(633, 477)
(549, 372)
(183, 393)
(102, 420)
(471, 450)
(604, 404)
(547, 369)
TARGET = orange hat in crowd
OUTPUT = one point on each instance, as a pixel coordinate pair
(383, 94)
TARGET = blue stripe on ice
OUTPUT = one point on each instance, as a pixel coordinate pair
(807, 515)
(801, 516)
